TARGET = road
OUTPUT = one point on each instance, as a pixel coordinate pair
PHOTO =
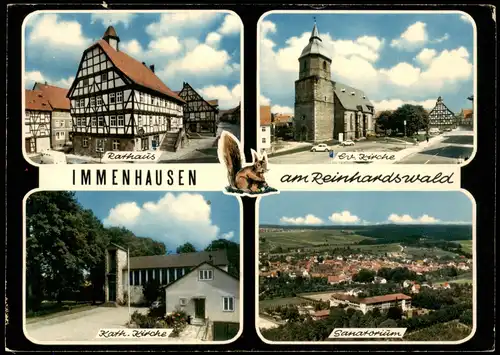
(454, 145)
(308, 157)
(82, 326)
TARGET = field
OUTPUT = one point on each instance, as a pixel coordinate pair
(421, 253)
(307, 239)
(281, 302)
(466, 245)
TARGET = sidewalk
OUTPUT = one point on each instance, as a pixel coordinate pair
(418, 148)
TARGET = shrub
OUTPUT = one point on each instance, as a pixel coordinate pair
(178, 321)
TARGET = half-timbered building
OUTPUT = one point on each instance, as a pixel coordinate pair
(200, 116)
(232, 115)
(37, 116)
(118, 103)
(441, 117)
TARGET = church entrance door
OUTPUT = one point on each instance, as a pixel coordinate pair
(111, 288)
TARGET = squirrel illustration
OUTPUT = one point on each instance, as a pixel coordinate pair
(247, 179)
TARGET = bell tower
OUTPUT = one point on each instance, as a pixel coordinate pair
(111, 37)
(314, 101)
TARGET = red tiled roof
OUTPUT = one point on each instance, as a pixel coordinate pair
(282, 118)
(35, 101)
(110, 32)
(136, 71)
(265, 115)
(467, 113)
(56, 95)
(385, 298)
(322, 313)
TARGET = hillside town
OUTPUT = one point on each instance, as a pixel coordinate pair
(118, 103)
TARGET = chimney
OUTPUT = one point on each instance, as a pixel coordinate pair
(152, 67)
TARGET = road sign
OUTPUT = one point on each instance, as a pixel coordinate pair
(332, 154)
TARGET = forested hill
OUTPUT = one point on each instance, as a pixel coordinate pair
(394, 231)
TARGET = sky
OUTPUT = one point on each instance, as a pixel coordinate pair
(366, 208)
(198, 47)
(394, 58)
(168, 217)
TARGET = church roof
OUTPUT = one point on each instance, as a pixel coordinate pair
(219, 257)
(351, 98)
(315, 45)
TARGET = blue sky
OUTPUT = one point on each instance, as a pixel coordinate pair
(199, 47)
(394, 58)
(346, 207)
(172, 218)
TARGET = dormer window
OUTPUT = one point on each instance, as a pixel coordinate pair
(205, 275)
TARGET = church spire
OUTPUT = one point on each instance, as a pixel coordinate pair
(315, 32)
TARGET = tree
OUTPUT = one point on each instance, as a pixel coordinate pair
(233, 254)
(384, 121)
(388, 323)
(395, 313)
(151, 290)
(364, 275)
(186, 248)
(415, 116)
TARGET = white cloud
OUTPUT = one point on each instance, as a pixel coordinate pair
(35, 76)
(309, 219)
(282, 109)
(264, 101)
(188, 217)
(108, 19)
(157, 48)
(393, 104)
(425, 56)
(177, 22)
(407, 219)
(402, 74)
(50, 30)
(441, 39)
(229, 235)
(228, 98)
(414, 37)
(165, 45)
(213, 39)
(465, 18)
(230, 25)
(344, 217)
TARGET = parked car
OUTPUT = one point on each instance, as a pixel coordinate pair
(52, 157)
(320, 148)
(347, 143)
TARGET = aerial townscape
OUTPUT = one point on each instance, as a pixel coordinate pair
(331, 116)
(401, 264)
(118, 103)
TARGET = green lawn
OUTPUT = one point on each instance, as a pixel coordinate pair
(307, 239)
(281, 302)
(428, 252)
(466, 245)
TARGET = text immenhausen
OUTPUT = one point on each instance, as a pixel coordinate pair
(134, 177)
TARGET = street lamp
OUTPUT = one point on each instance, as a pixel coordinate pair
(404, 122)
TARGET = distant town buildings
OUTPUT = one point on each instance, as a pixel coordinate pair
(264, 135)
(370, 303)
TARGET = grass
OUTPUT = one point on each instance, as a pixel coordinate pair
(466, 245)
(427, 252)
(53, 309)
(308, 239)
(451, 331)
(281, 302)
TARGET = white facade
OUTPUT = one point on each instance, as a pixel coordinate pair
(205, 293)
(36, 131)
(265, 137)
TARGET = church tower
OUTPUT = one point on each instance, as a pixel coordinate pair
(314, 100)
(111, 37)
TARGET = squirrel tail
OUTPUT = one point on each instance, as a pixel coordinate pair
(231, 155)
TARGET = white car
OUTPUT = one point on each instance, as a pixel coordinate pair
(347, 143)
(320, 148)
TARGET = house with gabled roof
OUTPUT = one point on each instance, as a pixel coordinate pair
(441, 116)
(265, 127)
(37, 116)
(200, 115)
(60, 123)
(120, 104)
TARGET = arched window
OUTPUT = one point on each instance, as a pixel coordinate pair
(305, 65)
(324, 65)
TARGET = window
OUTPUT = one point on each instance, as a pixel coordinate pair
(228, 304)
(62, 135)
(85, 142)
(121, 121)
(191, 115)
(263, 140)
(144, 144)
(183, 301)
(93, 121)
(112, 98)
(150, 120)
(100, 122)
(263, 129)
(78, 122)
(92, 101)
(143, 277)
(99, 145)
(99, 101)
(324, 65)
(57, 135)
(112, 121)
(139, 120)
(104, 77)
(141, 97)
(202, 114)
(77, 103)
(82, 103)
(85, 82)
(119, 96)
(153, 101)
(136, 277)
(206, 275)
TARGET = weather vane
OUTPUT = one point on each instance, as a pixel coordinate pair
(314, 17)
